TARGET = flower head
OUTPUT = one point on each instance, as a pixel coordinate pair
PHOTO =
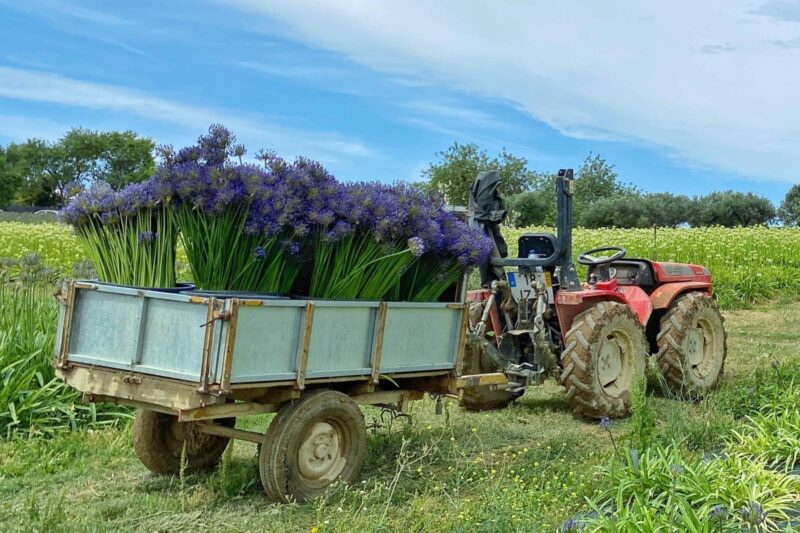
(147, 237)
(605, 423)
(417, 246)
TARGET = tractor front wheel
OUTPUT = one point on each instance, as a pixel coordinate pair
(604, 358)
(692, 344)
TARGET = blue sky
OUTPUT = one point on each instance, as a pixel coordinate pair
(686, 98)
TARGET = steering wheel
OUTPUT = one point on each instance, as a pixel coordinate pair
(586, 258)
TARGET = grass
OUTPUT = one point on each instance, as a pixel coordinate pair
(33, 402)
(527, 468)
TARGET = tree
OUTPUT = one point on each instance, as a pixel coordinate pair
(596, 179)
(50, 173)
(458, 166)
(9, 182)
(529, 208)
(789, 210)
(619, 212)
(668, 210)
(731, 208)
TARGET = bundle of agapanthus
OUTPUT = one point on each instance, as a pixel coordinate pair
(240, 224)
(378, 232)
(458, 248)
(128, 235)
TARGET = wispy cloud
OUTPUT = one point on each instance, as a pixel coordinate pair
(19, 128)
(638, 72)
(454, 114)
(37, 86)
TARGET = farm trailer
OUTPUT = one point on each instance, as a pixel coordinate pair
(193, 364)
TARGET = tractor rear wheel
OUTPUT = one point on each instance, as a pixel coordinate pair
(692, 344)
(482, 398)
(604, 358)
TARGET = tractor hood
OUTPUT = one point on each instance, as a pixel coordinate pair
(484, 201)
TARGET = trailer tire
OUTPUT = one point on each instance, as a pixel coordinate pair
(482, 398)
(604, 358)
(312, 442)
(692, 344)
(158, 440)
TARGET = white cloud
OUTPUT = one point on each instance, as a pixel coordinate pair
(37, 86)
(707, 82)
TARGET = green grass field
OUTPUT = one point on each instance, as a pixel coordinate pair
(526, 468)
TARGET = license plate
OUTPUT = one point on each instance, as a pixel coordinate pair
(522, 285)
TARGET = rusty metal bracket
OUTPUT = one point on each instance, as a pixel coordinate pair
(208, 341)
(377, 342)
(302, 350)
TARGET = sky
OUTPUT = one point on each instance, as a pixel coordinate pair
(682, 96)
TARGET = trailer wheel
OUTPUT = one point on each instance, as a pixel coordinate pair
(604, 358)
(482, 398)
(312, 442)
(159, 440)
(692, 344)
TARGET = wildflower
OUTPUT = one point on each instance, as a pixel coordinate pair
(676, 469)
(259, 253)
(605, 423)
(718, 513)
(571, 526)
(754, 514)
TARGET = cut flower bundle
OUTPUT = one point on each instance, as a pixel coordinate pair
(286, 228)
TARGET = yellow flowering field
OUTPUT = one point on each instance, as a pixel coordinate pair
(55, 243)
(748, 264)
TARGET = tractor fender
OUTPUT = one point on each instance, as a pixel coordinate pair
(663, 296)
(570, 304)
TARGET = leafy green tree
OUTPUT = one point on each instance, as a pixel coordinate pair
(529, 208)
(9, 182)
(617, 211)
(668, 210)
(789, 210)
(458, 166)
(732, 208)
(597, 179)
(50, 173)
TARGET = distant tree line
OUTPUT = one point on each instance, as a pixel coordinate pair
(47, 174)
(601, 199)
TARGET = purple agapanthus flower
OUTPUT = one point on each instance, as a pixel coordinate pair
(147, 237)
(417, 246)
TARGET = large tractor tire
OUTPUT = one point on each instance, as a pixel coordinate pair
(312, 442)
(692, 344)
(482, 398)
(160, 442)
(604, 358)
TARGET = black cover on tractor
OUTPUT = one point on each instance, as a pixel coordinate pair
(487, 209)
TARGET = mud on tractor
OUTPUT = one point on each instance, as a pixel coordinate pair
(535, 319)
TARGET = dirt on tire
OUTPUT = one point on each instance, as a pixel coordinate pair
(281, 474)
(583, 362)
(482, 398)
(159, 441)
(683, 371)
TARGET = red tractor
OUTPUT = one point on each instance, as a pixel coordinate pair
(537, 320)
